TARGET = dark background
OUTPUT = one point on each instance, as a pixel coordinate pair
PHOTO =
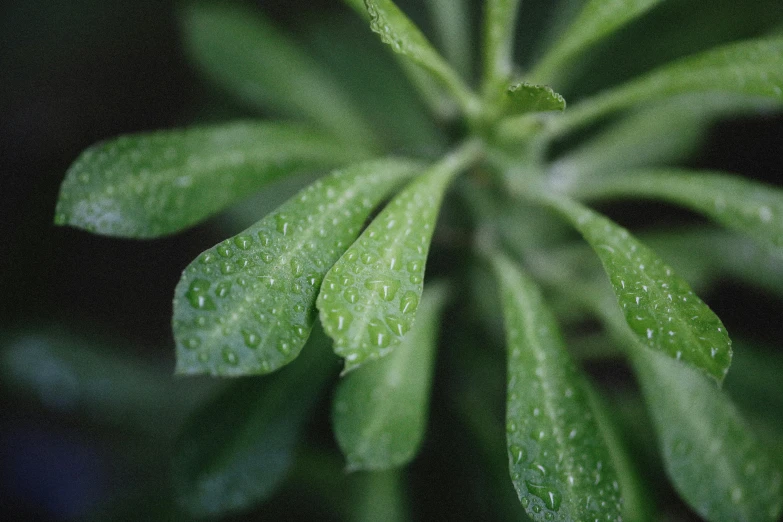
(73, 73)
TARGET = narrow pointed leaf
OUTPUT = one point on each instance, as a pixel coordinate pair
(598, 19)
(500, 17)
(559, 462)
(637, 504)
(429, 88)
(525, 97)
(238, 49)
(380, 410)
(149, 185)
(736, 203)
(664, 133)
(79, 377)
(398, 31)
(452, 24)
(238, 449)
(370, 75)
(246, 305)
(702, 436)
(750, 68)
(658, 305)
(380, 497)
(369, 298)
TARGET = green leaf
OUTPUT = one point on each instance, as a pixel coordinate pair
(380, 410)
(559, 462)
(359, 60)
(78, 376)
(380, 497)
(693, 253)
(750, 68)
(714, 460)
(398, 31)
(246, 305)
(239, 448)
(658, 305)
(369, 298)
(153, 184)
(500, 17)
(452, 25)
(637, 504)
(238, 49)
(736, 203)
(525, 97)
(665, 133)
(597, 19)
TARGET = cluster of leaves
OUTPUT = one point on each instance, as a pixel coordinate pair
(248, 305)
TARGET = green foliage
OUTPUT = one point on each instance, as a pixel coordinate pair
(252, 60)
(488, 176)
(658, 305)
(739, 204)
(559, 462)
(240, 446)
(596, 20)
(254, 294)
(370, 296)
(700, 432)
(149, 185)
(525, 97)
(380, 410)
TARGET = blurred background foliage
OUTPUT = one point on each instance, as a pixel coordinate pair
(90, 411)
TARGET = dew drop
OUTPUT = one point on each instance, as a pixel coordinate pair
(385, 288)
(409, 302)
(284, 347)
(224, 250)
(351, 295)
(243, 242)
(367, 258)
(378, 333)
(397, 325)
(206, 258)
(525, 501)
(549, 495)
(230, 356)
(283, 224)
(199, 286)
(517, 453)
(203, 357)
(296, 268)
(415, 279)
(267, 257)
(226, 267)
(342, 318)
(200, 321)
(269, 281)
(301, 331)
(511, 426)
(191, 343)
(414, 266)
(197, 295)
(264, 238)
(252, 339)
(223, 289)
